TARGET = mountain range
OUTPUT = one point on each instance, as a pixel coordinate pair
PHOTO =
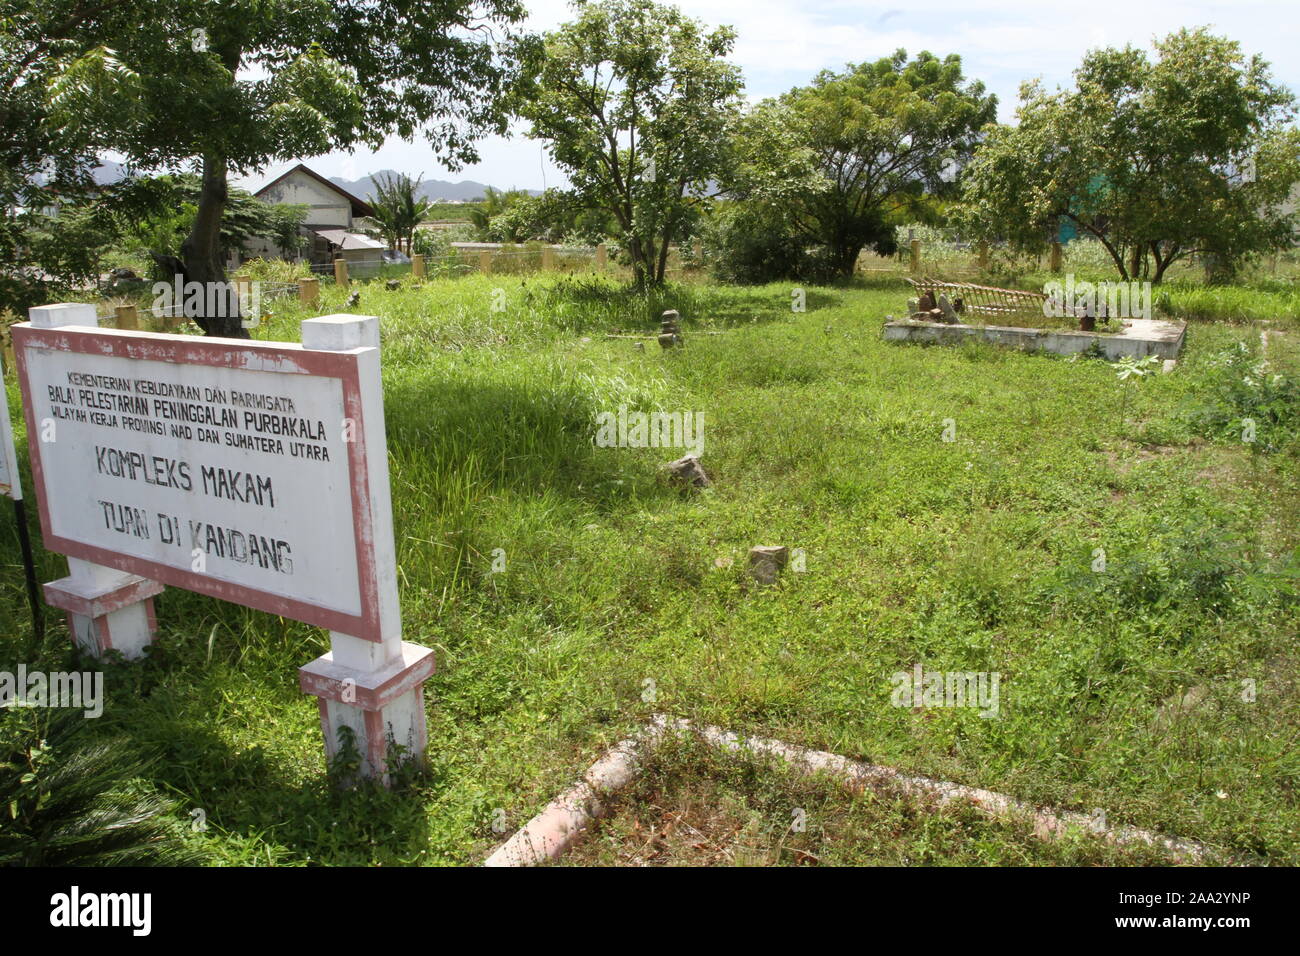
(439, 190)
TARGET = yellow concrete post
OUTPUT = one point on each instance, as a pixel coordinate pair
(548, 259)
(984, 256)
(242, 287)
(1054, 261)
(127, 317)
(602, 257)
(308, 290)
(340, 271)
(916, 255)
(417, 266)
(485, 260)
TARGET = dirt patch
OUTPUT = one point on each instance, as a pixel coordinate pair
(1214, 465)
(697, 807)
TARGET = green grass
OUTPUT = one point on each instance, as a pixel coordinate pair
(449, 210)
(618, 602)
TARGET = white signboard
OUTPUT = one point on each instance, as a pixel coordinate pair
(237, 469)
(9, 483)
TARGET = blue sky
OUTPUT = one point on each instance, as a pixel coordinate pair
(782, 43)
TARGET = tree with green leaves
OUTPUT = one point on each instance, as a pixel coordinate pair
(399, 208)
(496, 203)
(888, 137)
(635, 102)
(42, 166)
(555, 215)
(1190, 154)
(230, 87)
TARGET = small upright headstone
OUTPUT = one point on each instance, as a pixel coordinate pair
(670, 333)
(308, 290)
(949, 314)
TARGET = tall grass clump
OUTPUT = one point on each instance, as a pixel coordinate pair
(1273, 301)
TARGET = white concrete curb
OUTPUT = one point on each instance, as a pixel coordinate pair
(566, 818)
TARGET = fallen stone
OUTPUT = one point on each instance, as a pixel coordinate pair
(1180, 705)
(766, 563)
(688, 472)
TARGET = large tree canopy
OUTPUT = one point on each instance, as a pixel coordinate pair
(635, 102)
(1191, 153)
(229, 87)
(886, 136)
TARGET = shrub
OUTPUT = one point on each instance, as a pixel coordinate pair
(1250, 401)
(751, 243)
(68, 800)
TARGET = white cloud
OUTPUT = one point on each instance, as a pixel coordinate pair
(783, 43)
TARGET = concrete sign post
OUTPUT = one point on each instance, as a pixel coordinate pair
(9, 481)
(108, 608)
(371, 681)
(254, 472)
(11, 485)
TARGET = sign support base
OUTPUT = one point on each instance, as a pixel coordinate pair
(382, 707)
(108, 610)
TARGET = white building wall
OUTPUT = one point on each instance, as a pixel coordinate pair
(326, 207)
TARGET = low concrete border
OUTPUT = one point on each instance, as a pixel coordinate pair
(1140, 337)
(566, 819)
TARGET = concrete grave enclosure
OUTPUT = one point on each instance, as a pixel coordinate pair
(253, 472)
(1138, 339)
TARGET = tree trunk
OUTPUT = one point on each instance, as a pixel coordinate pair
(202, 254)
(661, 267)
(1136, 262)
(844, 256)
(641, 271)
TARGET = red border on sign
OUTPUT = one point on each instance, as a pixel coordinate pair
(221, 353)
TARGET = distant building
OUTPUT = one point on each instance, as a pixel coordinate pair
(1291, 203)
(334, 218)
